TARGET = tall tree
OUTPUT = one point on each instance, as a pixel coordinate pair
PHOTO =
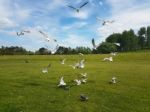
(142, 37)
(148, 37)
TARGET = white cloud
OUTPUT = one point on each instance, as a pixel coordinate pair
(75, 40)
(75, 25)
(6, 23)
(127, 18)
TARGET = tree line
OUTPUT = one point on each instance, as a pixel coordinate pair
(127, 40)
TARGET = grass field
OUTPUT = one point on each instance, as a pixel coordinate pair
(23, 87)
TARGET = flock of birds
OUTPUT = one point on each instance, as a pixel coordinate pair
(49, 39)
(82, 77)
(80, 64)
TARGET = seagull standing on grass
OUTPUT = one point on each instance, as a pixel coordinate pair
(113, 80)
(83, 97)
(61, 82)
(78, 9)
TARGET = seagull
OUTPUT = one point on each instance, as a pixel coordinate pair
(75, 65)
(78, 9)
(113, 80)
(81, 64)
(45, 70)
(84, 75)
(78, 82)
(81, 54)
(94, 45)
(61, 83)
(106, 22)
(47, 37)
(55, 49)
(108, 59)
(63, 61)
(22, 32)
(83, 80)
(49, 65)
(83, 97)
(117, 44)
(113, 53)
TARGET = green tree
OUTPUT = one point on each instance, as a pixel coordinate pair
(148, 37)
(106, 47)
(142, 37)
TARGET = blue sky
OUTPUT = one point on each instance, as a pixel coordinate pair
(64, 24)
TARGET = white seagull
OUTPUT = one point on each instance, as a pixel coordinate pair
(113, 80)
(106, 22)
(63, 61)
(78, 82)
(83, 80)
(47, 37)
(45, 70)
(108, 59)
(113, 53)
(61, 82)
(55, 49)
(84, 75)
(81, 64)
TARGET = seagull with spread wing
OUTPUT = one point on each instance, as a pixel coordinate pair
(47, 37)
(106, 22)
(78, 9)
(94, 45)
(22, 32)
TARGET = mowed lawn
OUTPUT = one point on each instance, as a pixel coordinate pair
(24, 88)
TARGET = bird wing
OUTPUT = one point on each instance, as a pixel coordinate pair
(72, 7)
(93, 42)
(84, 4)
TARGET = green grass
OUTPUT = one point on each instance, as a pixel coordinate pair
(23, 87)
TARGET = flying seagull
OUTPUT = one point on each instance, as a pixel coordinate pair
(22, 32)
(83, 80)
(63, 61)
(45, 70)
(55, 49)
(94, 45)
(83, 75)
(106, 22)
(78, 9)
(47, 37)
